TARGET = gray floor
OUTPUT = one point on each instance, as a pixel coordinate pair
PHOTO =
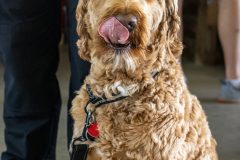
(203, 81)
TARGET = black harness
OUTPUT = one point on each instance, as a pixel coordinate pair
(80, 150)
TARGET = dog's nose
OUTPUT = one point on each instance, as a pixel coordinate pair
(129, 21)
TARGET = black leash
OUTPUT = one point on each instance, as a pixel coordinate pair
(80, 150)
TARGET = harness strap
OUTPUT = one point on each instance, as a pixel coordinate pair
(85, 137)
(80, 150)
(105, 101)
(92, 98)
(98, 101)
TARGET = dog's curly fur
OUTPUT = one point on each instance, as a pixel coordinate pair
(160, 119)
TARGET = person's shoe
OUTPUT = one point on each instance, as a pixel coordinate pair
(229, 93)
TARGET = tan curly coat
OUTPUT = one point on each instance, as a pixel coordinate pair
(160, 120)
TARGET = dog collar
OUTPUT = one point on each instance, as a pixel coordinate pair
(98, 101)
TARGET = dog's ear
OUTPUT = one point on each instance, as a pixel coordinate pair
(170, 26)
(82, 43)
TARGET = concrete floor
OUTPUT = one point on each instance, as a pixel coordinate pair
(203, 81)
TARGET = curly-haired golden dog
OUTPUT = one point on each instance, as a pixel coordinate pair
(134, 50)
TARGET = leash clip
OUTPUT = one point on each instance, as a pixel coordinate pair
(90, 130)
(89, 118)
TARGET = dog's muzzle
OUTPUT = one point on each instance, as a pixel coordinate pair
(116, 30)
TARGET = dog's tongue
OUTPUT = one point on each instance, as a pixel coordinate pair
(113, 31)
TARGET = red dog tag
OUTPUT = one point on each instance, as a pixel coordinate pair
(93, 130)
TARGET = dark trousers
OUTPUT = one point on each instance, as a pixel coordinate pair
(29, 36)
(79, 68)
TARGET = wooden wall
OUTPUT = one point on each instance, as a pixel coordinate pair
(201, 43)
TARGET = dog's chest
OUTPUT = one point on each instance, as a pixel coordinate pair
(129, 120)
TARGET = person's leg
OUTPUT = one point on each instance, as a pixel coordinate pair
(228, 22)
(79, 68)
(29, 35)
(228, 25)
